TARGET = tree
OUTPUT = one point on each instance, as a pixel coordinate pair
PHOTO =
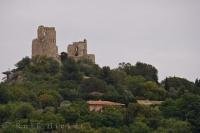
(46, 100)
(126, 67)
(118, 77)
(4, 94)
(185, 108)
(92, 84)
(174, 126)
(83, 128)
(49, 117)
(49, 98)
(149, 72)
(69, 94)
(5, 113)
(44, 65)
(112, 117)
(47, 82)
(178, 86)
(73, 112)
(150, 85)
(64, 57)
(197, 82)
(23, 110)
(23, 63)
(139, 127)
(89, 69)
(169, 108)
(136, 85)
(70, 71)
(70, 115)
(20, 92)
(131, 113)
(108, 130)
(106, 74)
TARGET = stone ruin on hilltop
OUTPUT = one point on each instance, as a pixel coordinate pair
(78, 51)
(45, 45)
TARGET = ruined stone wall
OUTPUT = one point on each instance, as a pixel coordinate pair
(45, 43)
(78, 51)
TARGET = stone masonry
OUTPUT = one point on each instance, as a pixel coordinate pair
(45, 43)
(78, 51)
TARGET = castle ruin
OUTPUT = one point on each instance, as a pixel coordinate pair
(45, 45)
(78, 51)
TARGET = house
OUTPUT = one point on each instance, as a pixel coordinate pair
(99, 105)
(148, 102)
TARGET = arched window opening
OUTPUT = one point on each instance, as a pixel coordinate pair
(76, 51)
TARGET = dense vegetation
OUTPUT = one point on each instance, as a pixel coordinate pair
(47, 94)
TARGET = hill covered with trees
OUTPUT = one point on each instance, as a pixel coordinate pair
(43, 95)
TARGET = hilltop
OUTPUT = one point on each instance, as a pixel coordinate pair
(70, 93)
(43, 90)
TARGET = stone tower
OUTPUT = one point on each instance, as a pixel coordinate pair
(78, 51)
(45, 43)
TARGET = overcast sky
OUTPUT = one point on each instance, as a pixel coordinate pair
(164, 33)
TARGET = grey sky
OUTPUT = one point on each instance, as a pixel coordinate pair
(164, 33)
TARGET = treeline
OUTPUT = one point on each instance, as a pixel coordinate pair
(42, 90)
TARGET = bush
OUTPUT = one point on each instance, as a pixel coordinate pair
(24, 110)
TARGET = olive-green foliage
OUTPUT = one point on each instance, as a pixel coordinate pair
(49, 98)
(110, 117)
(49, 117)
(5, 113)
(69, 94)
(19, 92)
(89, 69)
(176, 86)
(92, 84)
(106, 75)
(23, 111)
(23, 63)
(173, 126)
(50, 91)
(82, 128)
(139, 127)
(108, 130)
(149, 72)
(4, 94)
(41, 65)
(73, 112)
(145, 89)
(185, 108)
(197, 82)
(70, 71)
(120, 93)
(135, 84)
